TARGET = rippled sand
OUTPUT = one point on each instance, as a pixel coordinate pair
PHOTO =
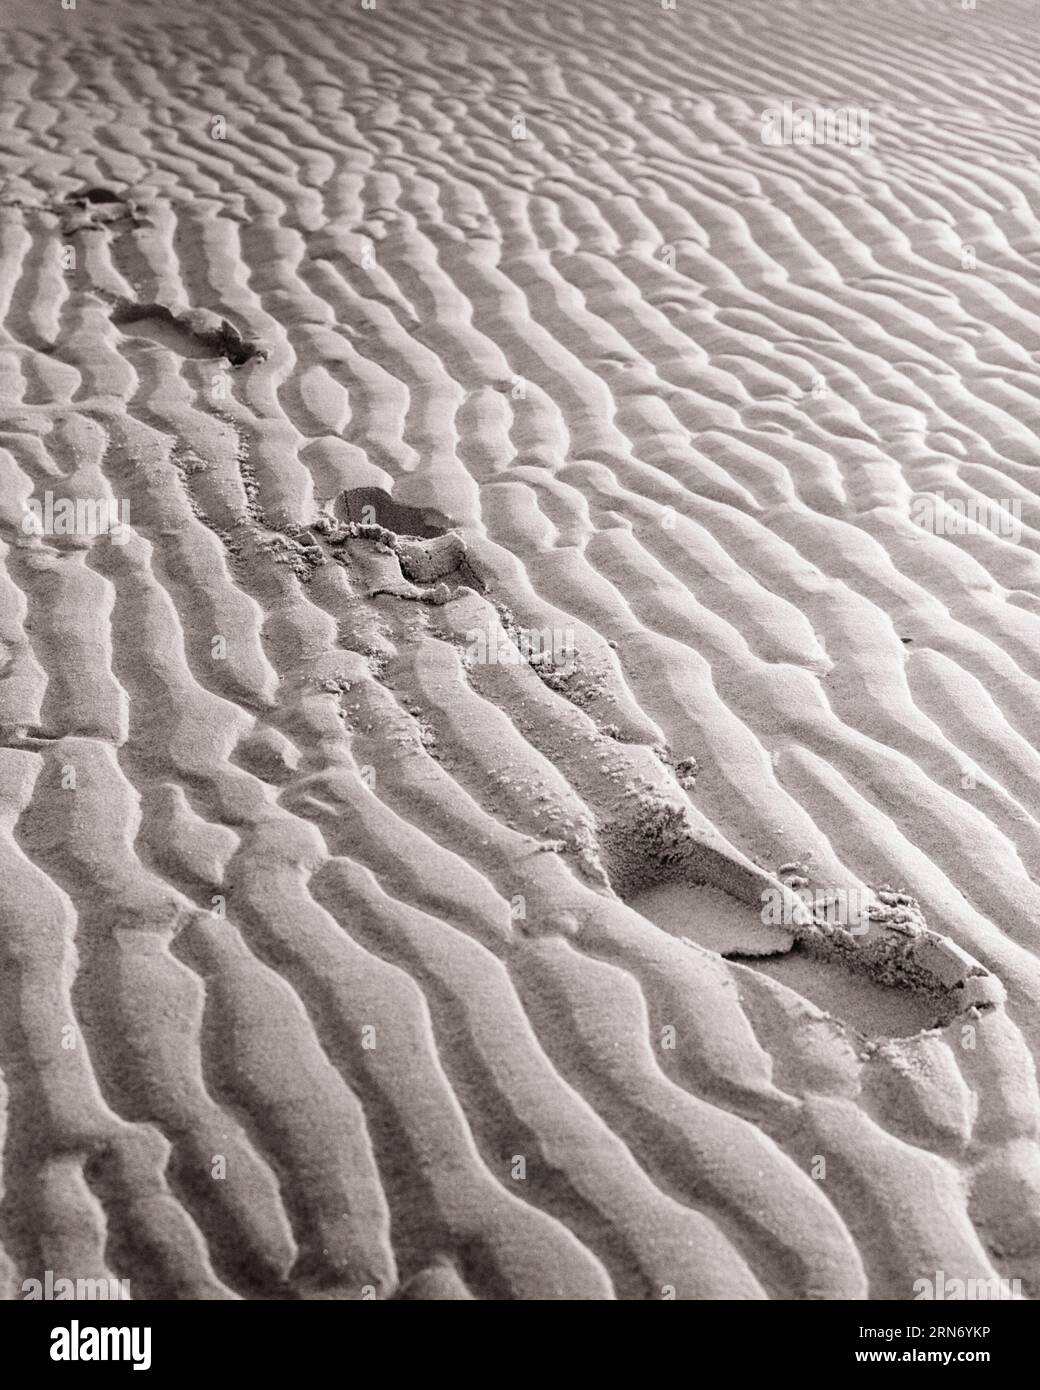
(421, 810)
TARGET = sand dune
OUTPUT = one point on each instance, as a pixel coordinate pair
(425, 805)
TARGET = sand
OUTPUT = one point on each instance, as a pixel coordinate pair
(507, 792)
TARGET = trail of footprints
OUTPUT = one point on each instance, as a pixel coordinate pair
(317, 977)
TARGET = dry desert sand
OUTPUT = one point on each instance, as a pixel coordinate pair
(517, 804)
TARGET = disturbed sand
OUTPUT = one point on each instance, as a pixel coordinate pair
(421, 804)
